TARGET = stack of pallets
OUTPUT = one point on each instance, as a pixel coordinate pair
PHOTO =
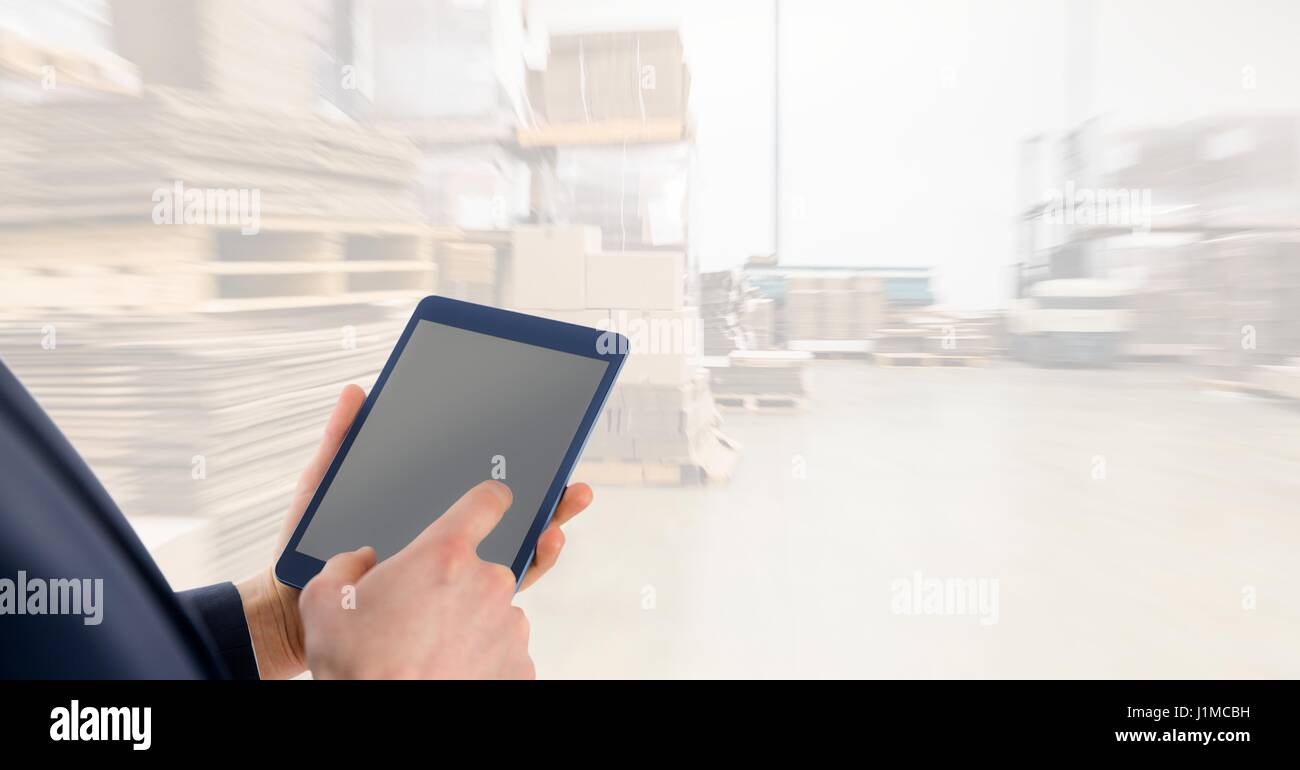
(761, 380)
(659, 425)
(167, 202)
(193, 353)
(209, 417)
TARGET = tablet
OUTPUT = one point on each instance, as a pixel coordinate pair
(469, 393)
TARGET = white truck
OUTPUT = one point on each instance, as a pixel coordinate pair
(1070, 321)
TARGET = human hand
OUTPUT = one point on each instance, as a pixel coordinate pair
(433, 610)
(271, 607)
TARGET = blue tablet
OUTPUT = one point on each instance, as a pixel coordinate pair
(469, 393)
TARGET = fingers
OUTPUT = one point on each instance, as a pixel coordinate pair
(478, 511)
(470, 518)
(342, 570)
(573, 502)
(345, 411)
(547, 554)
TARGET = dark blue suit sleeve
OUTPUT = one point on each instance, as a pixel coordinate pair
(221, 612)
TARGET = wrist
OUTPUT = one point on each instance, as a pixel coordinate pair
(271, 610)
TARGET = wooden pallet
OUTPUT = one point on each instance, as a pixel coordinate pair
(1160, 353)
(928, 359)
(902, 359)
(216, 268)
(832, 350)
(760, 402)
(840, 355)
(959, 360)
(710, 462)
(653, 131)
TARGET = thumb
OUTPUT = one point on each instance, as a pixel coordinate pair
(342, 570)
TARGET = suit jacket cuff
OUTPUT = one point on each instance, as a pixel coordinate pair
(220, 611)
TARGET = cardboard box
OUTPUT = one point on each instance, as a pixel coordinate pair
(803, 314)
(761, 372)
(468, 263)
(656, 369)
(596, 319)
(665, 80)
(637, 195)
(664, 332)
(548, 267)
(437, 59)
(664, 345)
(233, 51)
(605, 444)
(613, 76)
(642, 280)
(832, 306)
(759, 320)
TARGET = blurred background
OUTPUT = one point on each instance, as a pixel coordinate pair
(966, 335)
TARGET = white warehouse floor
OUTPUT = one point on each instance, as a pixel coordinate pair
(1127, 523)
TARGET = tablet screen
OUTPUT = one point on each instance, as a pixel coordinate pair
(459, 407)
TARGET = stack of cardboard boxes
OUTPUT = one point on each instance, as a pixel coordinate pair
(761, 380)
(955, 339)
(614, 107)
(1250, 171)
(468, 271)
(722, 298)
(659, 425)
(191, 274)
(167, 202)
(198, 424)
(936, 338)
(612, 76)
(900, 345)
(477, 186)
(450, 75)
(1223, 192)
(638, 196)
(237, 51)
(122, 158)
(441, 59)
(1165, 325)
(833, 306)
(615, 186)
(1249, 290)
(758, 319)
(659, 434)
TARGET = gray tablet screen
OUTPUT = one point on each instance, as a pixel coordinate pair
(459, 407)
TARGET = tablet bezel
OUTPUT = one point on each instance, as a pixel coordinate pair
(295, 568)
